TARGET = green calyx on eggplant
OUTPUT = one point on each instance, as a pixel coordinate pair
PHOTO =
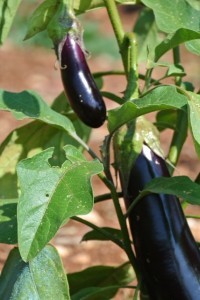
(79, 85)
(165, 248)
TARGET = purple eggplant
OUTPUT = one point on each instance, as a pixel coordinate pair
(79, 85)
(165, 248)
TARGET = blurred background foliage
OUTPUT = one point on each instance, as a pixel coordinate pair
(96, 42)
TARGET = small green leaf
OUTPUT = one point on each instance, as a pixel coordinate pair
(166, 119)
(8, 221)
(175, 70)
(98, 236)
(8, 9)
(50, 196)
(41, 17)
(181, 186)
(160, 98)
(99, 277)
(194, 118)
(42, 278)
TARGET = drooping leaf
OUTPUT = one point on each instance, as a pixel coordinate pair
(8, 221)
(160, 98)
(51, 195)
(8, 9)
(42, 278)
(181, 186)
(173, 15)
(28, 104)
(93, 278)
(98, 236)
(194, 119)
(146, 33)
(41, 17)
(182, 35)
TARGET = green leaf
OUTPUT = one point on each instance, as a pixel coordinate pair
(90, 279)
(146, 33)
(160, 98)
(181, 186)
(8, 221)
(98, 236)
(180, 36)
(51, 195)
(194, 119)
(166, 119)
(175, 70)
(8, 9)
(42, 278)
(28, 104)
(173, 15)
(31, 139)
(96, 293)
(41, 17)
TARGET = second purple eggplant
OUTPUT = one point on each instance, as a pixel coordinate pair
(165, 248)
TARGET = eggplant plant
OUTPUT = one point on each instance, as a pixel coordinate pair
(46, 173)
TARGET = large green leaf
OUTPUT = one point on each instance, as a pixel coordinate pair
(8, 10)
(181, 186)
(173, 15)
(194, 119)
(8, 221)
(42, 278)
(160, 98)
(41, 17)
(95, 279)
(33, 138)
(28, 104)
(51, 195)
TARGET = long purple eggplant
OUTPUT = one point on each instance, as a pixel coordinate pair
(165, 248)
(79, 85)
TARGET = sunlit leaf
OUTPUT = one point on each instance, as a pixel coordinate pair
(51, 195)
(160, 98)
(173, 15)
(181, 186)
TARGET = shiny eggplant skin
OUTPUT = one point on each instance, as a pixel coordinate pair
(165, 248)
(79, 85)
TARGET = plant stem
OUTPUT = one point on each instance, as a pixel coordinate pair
(118, 29)
(179, 137)
(100, 230)
(107, 196)
(123, 225)
(180, 134)
(115, 21)
(132, 67)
